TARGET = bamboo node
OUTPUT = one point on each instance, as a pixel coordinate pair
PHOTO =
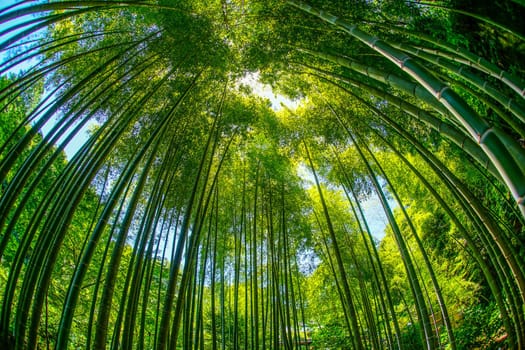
(373, 43)
(328, 16)
(485, 134)
(403, 61)
(440, 92)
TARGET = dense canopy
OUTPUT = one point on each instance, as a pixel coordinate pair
(152, 197)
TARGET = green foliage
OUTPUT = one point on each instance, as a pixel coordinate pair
(480, 327)
(410, 337)
(195, 216)
(331, 336)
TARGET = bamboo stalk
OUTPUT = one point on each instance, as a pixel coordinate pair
(504, 152)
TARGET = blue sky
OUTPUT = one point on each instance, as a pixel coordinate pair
(4, 26)
(373, 211)
(75, 144)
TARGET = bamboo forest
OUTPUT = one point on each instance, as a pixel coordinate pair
(262, 174)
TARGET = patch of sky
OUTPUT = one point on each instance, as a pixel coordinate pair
(251, 80)
(17, 58)
(373, 211)
(265, 91)
(11, 59)
(77, 141)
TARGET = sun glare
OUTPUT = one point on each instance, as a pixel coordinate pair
(265, 91)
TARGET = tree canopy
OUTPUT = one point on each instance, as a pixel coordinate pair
(196, 215)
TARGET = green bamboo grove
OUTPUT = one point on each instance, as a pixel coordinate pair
(152, 197)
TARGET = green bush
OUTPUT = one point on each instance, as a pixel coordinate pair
(481, 327)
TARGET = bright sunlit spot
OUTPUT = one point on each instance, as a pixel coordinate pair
(265, 91)
(272, 175)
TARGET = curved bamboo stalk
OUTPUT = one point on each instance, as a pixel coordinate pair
(460, 55)
(505, 247)
(505, 153)
(214, 340)
(358, 343)
(42, 48)
(162, 336)
(471, 244)
(328, 257)
(372, 331)
(28, 237)
(41, 23)
(37, 279)
(10, 13)
(430, 269)
(515, 108)
(8, 161)
(201, 209)
(428, 337)
(88, 253)
(120, 241)
(399, 83)
(480, 18)
(459, 139)
(421, 307)
(365, 231)
(174, 218)
(51, 138)
(469, 204)
(450, 132)
(147, 234)
(502, 118)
